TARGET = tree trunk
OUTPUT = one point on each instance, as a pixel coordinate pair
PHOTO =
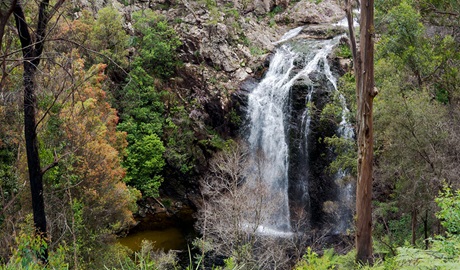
(33, 159)
(414, 226)
(31, 54)
(365, 93)
(425, 229)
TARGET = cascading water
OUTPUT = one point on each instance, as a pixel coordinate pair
(289, 34)
(345, 191)
(270, 113)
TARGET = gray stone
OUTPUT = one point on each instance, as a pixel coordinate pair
(308, 12)
(241, 75)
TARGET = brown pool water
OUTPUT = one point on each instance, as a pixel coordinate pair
(167, 239)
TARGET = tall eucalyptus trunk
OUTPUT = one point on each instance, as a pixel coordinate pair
(365, 93)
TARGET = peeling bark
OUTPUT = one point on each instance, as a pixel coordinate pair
(365, 93)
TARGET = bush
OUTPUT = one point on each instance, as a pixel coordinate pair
(145, 163)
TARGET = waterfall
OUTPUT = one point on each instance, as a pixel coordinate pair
(269, 113)
(289, 34)
(345, 190)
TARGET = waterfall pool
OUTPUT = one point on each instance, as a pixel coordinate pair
(167, 230)
(166, 239)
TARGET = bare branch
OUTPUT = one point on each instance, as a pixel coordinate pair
(4, 17)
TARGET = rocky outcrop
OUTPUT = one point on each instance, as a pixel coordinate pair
(259, 7)
(227, 46)
(320, 31)
(235, 38)
(232, 37)
(224, 43)
(312, 12)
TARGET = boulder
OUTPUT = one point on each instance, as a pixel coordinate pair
(308, 12)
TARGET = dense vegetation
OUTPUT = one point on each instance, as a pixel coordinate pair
(416, 127)
(108, 126)
(113, 128)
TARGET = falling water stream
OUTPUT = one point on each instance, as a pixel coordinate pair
(269, 112)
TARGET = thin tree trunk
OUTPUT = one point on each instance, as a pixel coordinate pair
(414, 226)
(425, 228)
(4, 17)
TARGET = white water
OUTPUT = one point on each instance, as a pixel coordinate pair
(344, 22)
(345, 131)
(305, 127)
(290, 34)
(267, 111)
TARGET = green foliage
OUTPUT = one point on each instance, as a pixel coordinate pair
(214, 141)
(410, 118)
(344, 51)
(156, 42)
(256, 51)
(141, 105)
(449, 213)
(145, 259)
(404, 31)
(8, 180)
(108, 37)
(346, 155)
(344, 148)
(406, 258)
(332, 112)
(179, 150)
(142, 110)
(232, 12)
(347, 87)
(442, 95)
(30, 247)
(444, 254)
(80, 246)
(275, 10)
(392, 228)
(230, 264)
(405, 44)
(414, 122)
(145, 164)
(234, 118)
(311, 261)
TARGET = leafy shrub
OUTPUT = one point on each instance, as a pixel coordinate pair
(145, 164)
(311, 260)
(156, 42)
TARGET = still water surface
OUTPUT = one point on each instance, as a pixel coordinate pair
(167, 239)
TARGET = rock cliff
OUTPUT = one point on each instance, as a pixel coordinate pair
(225, 47)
